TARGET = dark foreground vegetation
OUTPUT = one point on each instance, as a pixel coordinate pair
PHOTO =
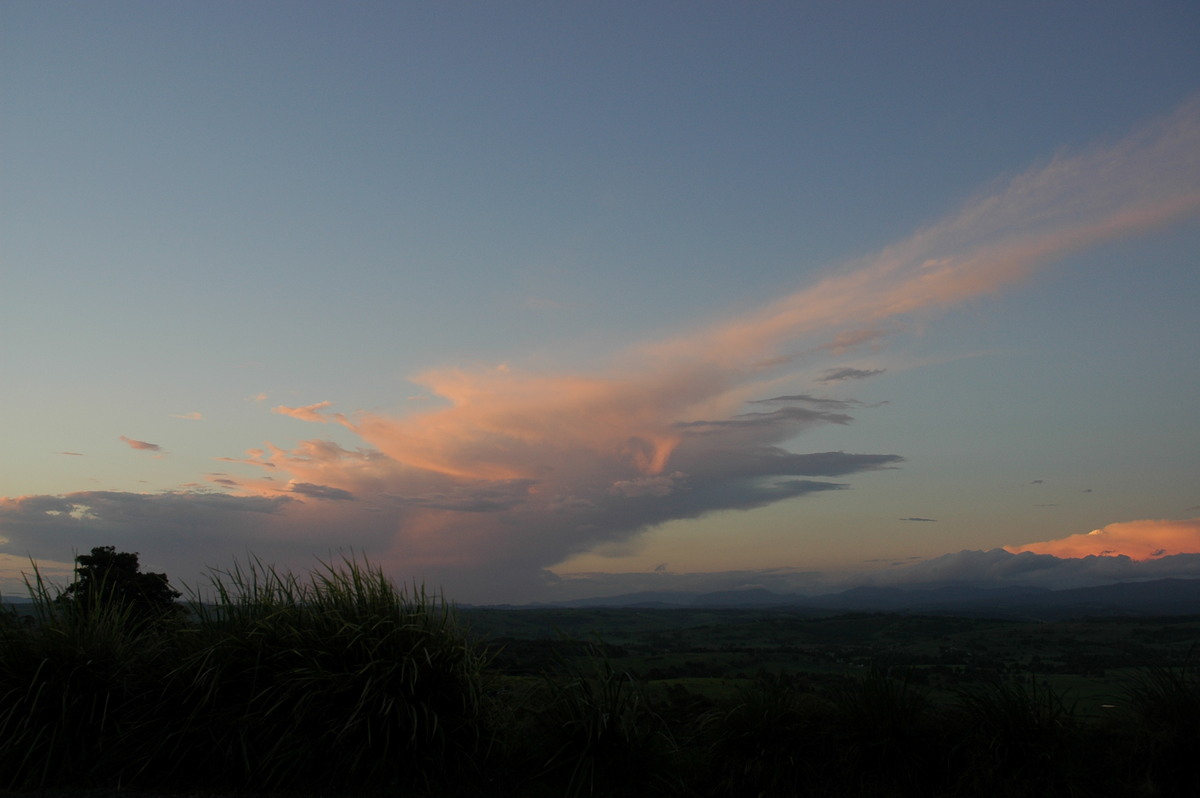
(340, 683)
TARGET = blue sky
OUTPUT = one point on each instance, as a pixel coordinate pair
(519, 247)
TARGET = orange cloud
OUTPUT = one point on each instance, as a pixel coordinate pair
(531, 467)
(512, 471)
(1138, 540)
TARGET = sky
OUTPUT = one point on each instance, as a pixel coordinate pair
(532, 301)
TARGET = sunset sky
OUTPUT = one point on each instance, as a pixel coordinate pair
(532, 301)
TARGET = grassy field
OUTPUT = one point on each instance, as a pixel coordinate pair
(713, 654)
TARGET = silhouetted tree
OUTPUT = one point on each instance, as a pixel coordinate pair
(107, 575)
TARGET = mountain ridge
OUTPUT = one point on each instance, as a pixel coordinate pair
(1167, 596)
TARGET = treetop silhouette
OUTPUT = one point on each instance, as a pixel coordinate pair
(109, 577)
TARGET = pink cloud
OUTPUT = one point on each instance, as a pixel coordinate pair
(520, 467)
(1144, 182)
(1138, 540)
(513, 471)
(143, 445)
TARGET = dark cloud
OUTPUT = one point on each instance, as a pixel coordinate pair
(185, 530)
(319, 491)
(914, 518)
(73, 454)
(998, 567)
(842, 374)
(798, 416)
(840, 404)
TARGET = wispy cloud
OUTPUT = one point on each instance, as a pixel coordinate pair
(842, 374)
(514, 471)
(254, 457)
(143, 445)
(1141, 183)
(188, 416)
(306, 413)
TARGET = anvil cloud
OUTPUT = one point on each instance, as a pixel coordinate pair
(517, 470)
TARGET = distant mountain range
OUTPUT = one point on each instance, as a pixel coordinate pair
(1148, 598)
(1156, 597)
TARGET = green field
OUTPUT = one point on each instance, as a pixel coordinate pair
(714, 653)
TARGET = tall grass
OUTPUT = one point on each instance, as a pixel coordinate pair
(337, 679)
(339, 675)
(591, 731)
(886, 734)
(767, 741)
(1163, 712)
(80, 689)
(1021, 731)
